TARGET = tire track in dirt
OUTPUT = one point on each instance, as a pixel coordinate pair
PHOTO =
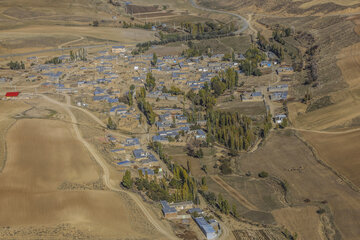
(234, 193)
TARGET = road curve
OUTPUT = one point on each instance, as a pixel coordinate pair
(245, 23)
(106, 174)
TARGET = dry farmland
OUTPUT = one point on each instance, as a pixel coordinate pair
(42, 155)
(287, 158)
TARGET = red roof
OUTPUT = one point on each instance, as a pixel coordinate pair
(12, 94)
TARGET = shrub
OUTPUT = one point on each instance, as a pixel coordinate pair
(263, 174)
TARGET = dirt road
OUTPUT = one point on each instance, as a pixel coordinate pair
(106, 175)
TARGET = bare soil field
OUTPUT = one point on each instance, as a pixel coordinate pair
(340, 151)
(51, 155)
(35, 38)
(287, 158)
(310, 227)
(9, 109)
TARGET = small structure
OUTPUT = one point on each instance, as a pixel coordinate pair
(205, 227)
(10, 95)
(118, 49)
(132, 142)
(279, 118)
(279, 88)
(182, 205)
(200, 134)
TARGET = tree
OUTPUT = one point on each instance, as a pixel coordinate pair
(95, 23)
(150, 82)
(154, 61)
(234, 211)
(263, 174)
(111, 124)
(127, 181)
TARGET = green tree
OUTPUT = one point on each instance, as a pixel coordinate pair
(127, 181)
(150, 82)
(111, 124)
(154, 61)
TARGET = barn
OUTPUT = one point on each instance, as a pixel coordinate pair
(12, 94)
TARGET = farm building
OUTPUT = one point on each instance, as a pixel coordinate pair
(206, 228)
(10, 95)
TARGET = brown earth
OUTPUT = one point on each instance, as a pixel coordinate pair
(310, 227)
(42, 154)
(340, 151)
(282, 153)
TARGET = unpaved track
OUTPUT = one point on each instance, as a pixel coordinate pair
(70, 42)
(234, 193)
(326, 132)
(106, 176)
(242, 19)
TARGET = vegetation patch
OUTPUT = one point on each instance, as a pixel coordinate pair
(320, 103)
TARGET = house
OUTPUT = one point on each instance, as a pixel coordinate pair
(131, 142)
(278, 88)
(159, 138)
(169, 212)
(252, 97)
(147, 171)
(279, 118)
(200, 134)
(265, 64)
(125, 163)
(182, 205)
(118, 150)
(281, 70)
(195, 210)
(277, 96)
(206, 228)
(118, 49)
(139, 154)
(111, 139)
(10, 95)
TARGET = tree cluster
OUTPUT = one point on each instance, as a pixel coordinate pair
(145, 107)
(231, 129)
(55, 60)
(81, 55)
(16, 65)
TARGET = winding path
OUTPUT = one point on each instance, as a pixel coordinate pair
(106, 174)
(244, 21)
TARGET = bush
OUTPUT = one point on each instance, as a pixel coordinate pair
(263, 174)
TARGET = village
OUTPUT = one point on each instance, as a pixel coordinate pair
(107, 82)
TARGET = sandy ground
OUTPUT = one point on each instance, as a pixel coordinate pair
(286, 157)
(42, 154)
